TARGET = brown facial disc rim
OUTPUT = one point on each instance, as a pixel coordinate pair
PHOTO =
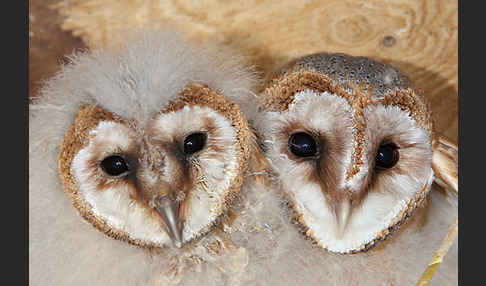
(280, 93)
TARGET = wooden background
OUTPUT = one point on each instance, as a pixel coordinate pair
(419, 37)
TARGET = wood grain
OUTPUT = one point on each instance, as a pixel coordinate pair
(48, 44)
(419, 37)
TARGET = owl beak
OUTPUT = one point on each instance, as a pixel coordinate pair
(342, 212)
(171, 213)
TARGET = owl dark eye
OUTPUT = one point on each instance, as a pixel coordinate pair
(302, 145)
(194, 142)
(114, 165)
(387, 156)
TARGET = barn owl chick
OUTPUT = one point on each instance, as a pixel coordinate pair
(354, 145)
(148, 144)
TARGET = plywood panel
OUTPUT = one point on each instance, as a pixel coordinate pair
(48, 44)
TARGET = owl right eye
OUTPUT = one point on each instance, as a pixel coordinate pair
(303, 145)
(114, 165)
(194, 142)
(387, 156)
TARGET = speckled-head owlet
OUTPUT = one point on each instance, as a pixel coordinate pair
(354, 145)
(148, 144)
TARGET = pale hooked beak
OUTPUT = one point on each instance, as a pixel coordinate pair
(342, 212)
(172, 214)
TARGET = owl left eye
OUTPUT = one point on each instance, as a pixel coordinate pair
(114, 165)
(194, 142)
(302, 144)
(387, 156)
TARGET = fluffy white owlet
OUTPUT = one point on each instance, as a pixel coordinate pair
(146, 143)
(356, 153)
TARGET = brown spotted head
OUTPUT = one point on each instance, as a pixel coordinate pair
(353, 144)
(151, 146)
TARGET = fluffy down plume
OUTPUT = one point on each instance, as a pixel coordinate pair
(134, 81)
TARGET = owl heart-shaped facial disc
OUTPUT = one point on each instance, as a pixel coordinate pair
(150, 142)
(353, 144)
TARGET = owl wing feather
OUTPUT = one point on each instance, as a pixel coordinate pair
(445, 163)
